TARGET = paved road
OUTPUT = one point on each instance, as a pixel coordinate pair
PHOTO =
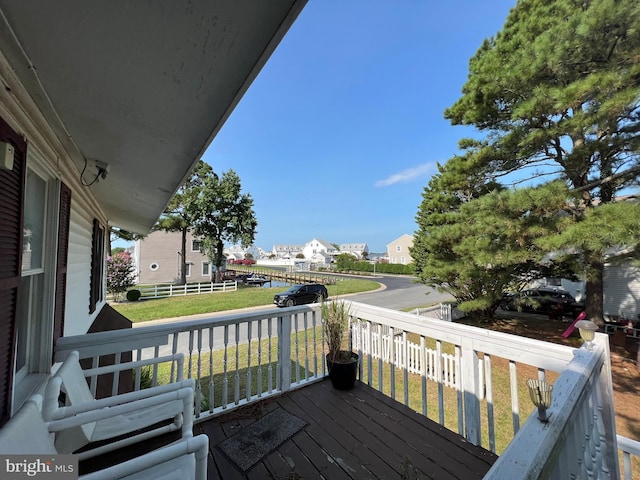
(400, 293)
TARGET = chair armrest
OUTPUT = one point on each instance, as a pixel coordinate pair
(176, 357)
(123, 399)
(73, 420)
(198, 445)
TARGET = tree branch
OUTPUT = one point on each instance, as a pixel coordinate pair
(632, 171)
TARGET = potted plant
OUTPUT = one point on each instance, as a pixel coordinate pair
(342, 363)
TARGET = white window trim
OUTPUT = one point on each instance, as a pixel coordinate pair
(189, 269)
(208, 265)
(153, 266)
(40, 338)
(199, 242)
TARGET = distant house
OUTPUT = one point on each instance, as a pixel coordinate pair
(319, 251)
(158, 258)
(238, 252)
(621, 286)
(398, 250)
(287, 250)
(358, 250)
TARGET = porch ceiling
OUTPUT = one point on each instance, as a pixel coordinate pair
(141, 86)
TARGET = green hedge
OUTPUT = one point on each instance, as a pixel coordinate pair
(348, 263)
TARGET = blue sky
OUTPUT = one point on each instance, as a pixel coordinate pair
(341, 131)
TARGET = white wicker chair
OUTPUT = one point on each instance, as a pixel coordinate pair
(26, 433)
(85, 420)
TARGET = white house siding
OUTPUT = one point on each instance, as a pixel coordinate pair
(77, 319)
(622, 290)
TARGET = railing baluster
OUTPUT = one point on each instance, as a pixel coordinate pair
(488, 375)
(211, 373)
(249, 382)
(190, 364)
(369, 353)
(458, 386)
(515, 406)
(423, 373)
(438, 375)
(380, 379)
(405, 377)
(259, 371)
(296, 321)
(198, 392)
(392, 356)
(225, 379)
(236, 378)
(270, 367)
(314, 322)
(306, 348)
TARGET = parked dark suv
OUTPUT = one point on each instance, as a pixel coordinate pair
(301, 294)
(550, 301)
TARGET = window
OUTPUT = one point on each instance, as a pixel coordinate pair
(398, 248)
(205, 268)
(38, 301)
(403, 260)
(154, 266)
(196, 245)
(189, 269)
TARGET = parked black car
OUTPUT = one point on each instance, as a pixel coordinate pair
(550, 301)
(301, 294)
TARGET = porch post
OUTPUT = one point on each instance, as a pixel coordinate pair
(607, 412)
(284, 352)
(471, 389)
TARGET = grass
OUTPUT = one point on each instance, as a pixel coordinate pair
(180, 306)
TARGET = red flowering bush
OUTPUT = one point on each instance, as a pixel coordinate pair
(120, 274)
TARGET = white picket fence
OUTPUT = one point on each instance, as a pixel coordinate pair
(161, 291)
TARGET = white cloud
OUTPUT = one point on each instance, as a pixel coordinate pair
(407, 175)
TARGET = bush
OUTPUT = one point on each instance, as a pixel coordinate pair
(133, 295)
(120, 274)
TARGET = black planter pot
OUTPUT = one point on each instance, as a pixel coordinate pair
(343, 374)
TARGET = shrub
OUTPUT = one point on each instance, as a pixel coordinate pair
(133, 295)
(120, 274)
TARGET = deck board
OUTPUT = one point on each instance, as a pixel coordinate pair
(357, 434)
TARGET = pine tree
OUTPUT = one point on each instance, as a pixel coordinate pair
(557, 93)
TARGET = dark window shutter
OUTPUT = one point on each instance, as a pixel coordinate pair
(61, 262)
(11, 218)
(97, 260)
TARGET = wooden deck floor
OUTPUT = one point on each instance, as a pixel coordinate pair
(358, 434)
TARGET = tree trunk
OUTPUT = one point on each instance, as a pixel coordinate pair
(219, 249)
(594, 305)
(183, 259)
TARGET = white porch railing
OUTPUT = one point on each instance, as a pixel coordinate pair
(628, 448)
(161, 291)
(452, 373)
(629, 331)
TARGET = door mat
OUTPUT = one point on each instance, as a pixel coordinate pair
(253, 443)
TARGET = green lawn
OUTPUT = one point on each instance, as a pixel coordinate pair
(221, 301)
